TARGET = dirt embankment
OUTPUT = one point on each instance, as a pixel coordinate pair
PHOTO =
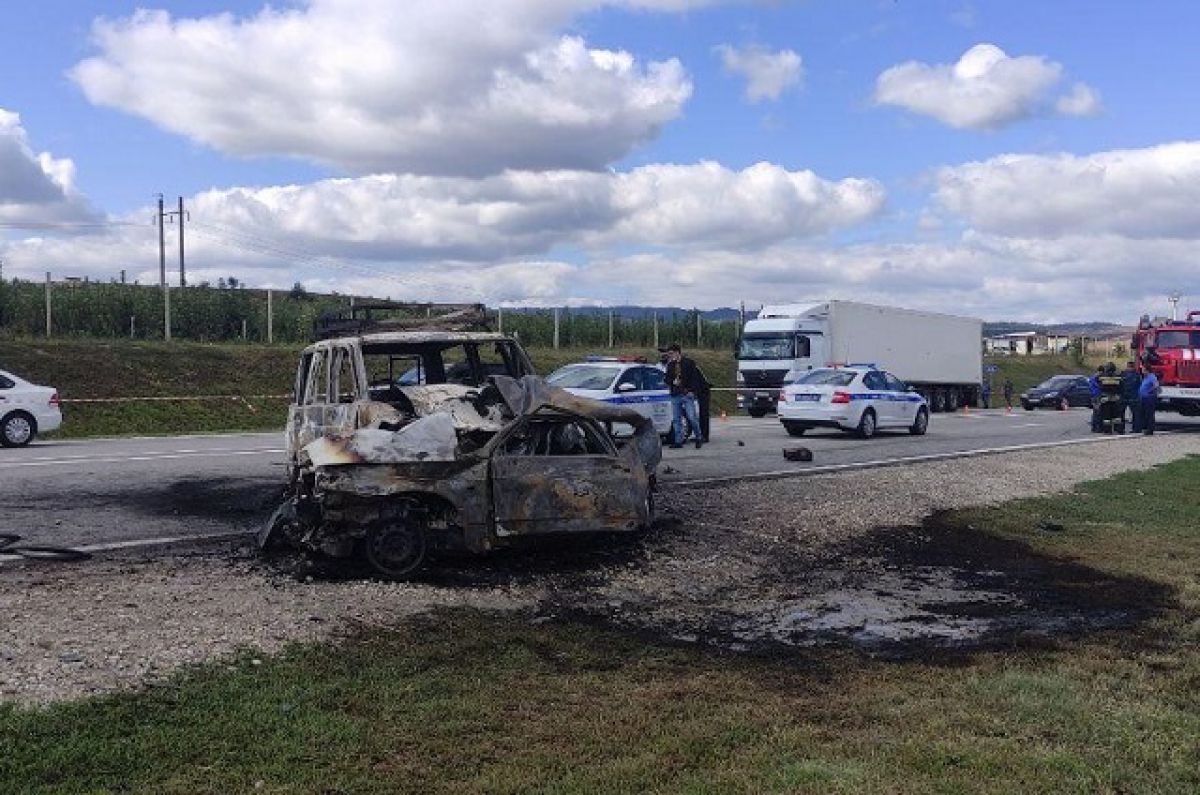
(779, 565)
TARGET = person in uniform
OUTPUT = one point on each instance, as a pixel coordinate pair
(1130, 381)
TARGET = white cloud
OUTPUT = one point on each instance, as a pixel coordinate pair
(768, 74)
(1140, 193)
(407, 217)
(1081, 277)
(453, 87)
(35, 187)
(1082, 101)
(985, 90)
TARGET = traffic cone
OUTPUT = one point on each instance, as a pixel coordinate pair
(724, 416)
(966, 408)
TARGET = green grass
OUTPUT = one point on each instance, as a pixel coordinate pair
(465, 702)
(1029, 371)
(81, 368)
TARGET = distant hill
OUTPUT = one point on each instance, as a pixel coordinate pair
(641, 312)
(1096, 329)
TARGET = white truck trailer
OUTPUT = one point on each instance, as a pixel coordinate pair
(941, 356)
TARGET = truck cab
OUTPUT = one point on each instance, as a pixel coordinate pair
(776, 348)
(1171, 349)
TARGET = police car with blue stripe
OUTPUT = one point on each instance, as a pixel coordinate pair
(631, 382)
(858, 398)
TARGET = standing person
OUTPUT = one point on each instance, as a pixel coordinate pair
(1094, 386)
(986, 393)
(1148, 398)
(704, 399)
(1008, 393)
(1130, 381)
(684, 382)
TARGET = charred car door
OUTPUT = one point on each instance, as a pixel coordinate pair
(556, 472)
(329, 389)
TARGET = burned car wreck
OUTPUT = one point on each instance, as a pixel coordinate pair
(405, 443)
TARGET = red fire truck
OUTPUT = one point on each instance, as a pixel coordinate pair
(1172, 350)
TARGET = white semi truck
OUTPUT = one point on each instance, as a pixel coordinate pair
(941, 356)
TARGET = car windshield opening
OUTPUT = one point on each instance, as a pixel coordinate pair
(582, 376)
(424, 363)
(827, 378)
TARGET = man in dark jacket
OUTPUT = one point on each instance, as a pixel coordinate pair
(686, 383)
(704, 401)
(1130, 381)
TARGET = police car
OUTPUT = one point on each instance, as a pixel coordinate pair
(857, 398)
(631, 382)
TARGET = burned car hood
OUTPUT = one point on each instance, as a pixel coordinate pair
(445, 414)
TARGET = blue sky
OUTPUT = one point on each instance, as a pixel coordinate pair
(505, 158)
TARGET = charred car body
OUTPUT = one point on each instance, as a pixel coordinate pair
(431, 438)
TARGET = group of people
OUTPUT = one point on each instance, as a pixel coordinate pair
(690, 396)
(1133, 392)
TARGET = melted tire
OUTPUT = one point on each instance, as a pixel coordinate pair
(396, 550)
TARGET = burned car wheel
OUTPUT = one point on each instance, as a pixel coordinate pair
(396, 549)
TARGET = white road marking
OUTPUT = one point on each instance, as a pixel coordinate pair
(885, 462)
(160, 438)
(139, 543)
(89, 456)
(128, 458)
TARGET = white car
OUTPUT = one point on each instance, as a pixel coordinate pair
(26, 410)
(631, 382)
(859, 399)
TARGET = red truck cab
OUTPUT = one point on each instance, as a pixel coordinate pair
(1172, 351)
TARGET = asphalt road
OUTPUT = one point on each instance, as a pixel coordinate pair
(115, 490)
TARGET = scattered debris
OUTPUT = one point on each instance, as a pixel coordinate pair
(797, 454)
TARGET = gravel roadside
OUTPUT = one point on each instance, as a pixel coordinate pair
(72, 631)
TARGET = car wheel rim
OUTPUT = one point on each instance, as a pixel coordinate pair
(18, 430)
(869, 424)
(396, 551)
(922, 421)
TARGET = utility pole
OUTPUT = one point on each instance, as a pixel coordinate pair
(656, 330)
(699, 328)
(162, 269)
(270, 320)
(182, 271)
(1173, 298)
(48, 320)
(610, 328)
(181, 214)
(500, 319)
(1, 270)
(556, 328)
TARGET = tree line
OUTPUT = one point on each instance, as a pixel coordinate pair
(230, 312)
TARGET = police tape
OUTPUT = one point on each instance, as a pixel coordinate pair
(170, 398)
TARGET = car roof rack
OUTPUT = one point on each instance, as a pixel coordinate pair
(381, 316)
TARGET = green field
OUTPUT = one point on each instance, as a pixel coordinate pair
(471, 702)
(240, 374)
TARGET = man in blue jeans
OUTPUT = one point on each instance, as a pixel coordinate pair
(1148, 400)
(685, 382)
